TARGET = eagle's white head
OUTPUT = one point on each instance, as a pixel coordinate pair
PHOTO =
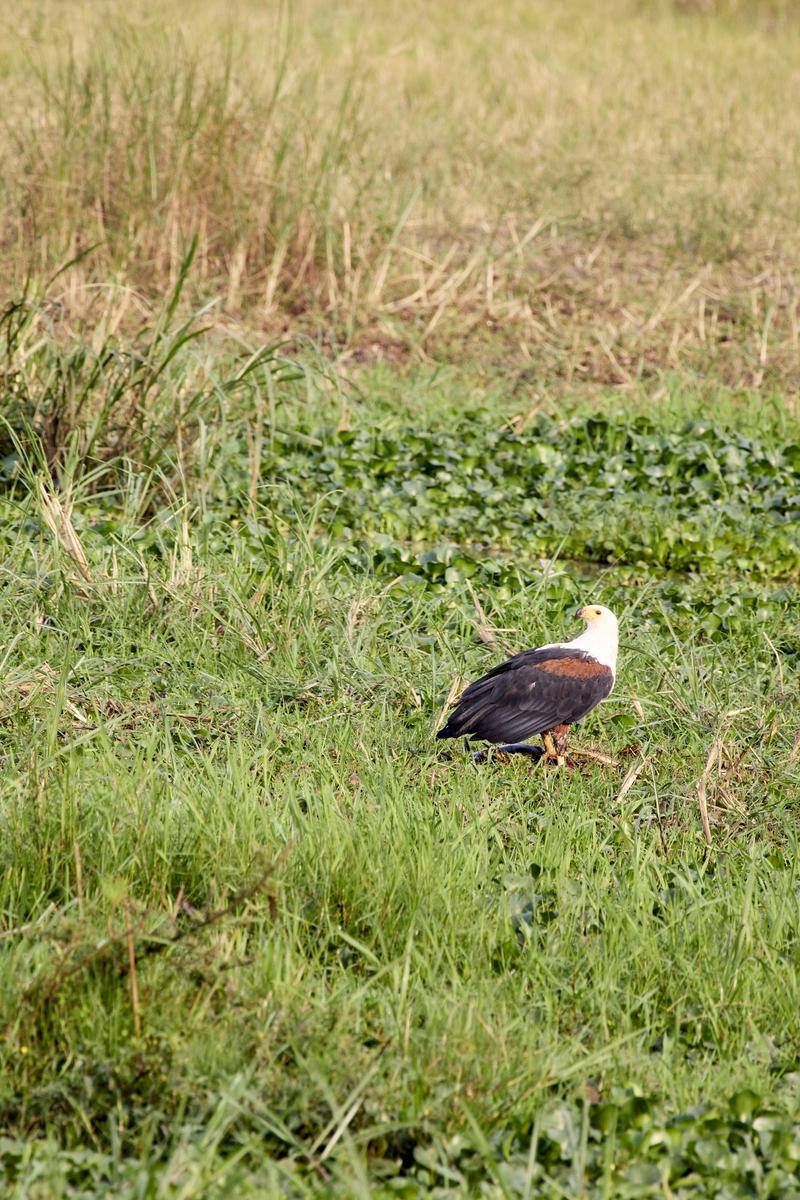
(600, 638)
(594, 614)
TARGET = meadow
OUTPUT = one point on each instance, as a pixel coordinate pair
(340, 357)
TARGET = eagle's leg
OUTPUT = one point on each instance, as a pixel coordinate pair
(555, 745)
(560, 736)
(550, 752)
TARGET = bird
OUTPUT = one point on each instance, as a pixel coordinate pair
(542, 691)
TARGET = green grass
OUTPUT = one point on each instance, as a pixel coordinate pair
(363, 965)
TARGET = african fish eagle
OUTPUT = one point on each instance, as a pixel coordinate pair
(541, 691)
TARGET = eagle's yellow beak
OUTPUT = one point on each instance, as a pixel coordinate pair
(581, 613)
(588, 613)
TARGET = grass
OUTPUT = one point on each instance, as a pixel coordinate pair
(263, 935)
(340, 359)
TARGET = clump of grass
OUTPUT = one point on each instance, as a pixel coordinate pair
(96, 398)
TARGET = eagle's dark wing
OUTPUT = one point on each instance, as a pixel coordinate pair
(530, 693)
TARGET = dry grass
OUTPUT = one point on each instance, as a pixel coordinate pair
(604, 195)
